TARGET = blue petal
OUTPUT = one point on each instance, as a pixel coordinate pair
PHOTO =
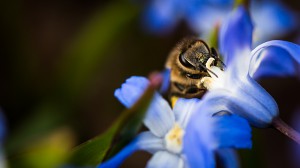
(235, 35)
(258, 111)
(275, 58)
(119, 158)
(183, 109)
(221, 131)
(164, 159)
(232, 131)
(228, 158)
(205, 133)
(131, 90)
(197, 152)
(144, 141)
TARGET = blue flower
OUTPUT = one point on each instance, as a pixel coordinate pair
(272, 19)
(235, 89)
(167, 129)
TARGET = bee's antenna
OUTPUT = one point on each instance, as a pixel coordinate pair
(217, 59)
(208, 69)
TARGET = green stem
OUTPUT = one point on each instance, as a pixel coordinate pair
(245, 3)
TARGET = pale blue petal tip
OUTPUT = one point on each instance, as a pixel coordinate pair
(276, 58)
(131, 90)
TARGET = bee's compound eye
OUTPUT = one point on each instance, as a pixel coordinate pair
(184, 62)
(193, 76)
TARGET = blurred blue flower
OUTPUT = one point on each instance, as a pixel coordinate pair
(167, 129)
(272, 18)
(2, 136)
(2, 127)
(161, 16)
(235, 89)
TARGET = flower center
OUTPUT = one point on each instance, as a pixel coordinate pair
(173, 139)
(214, 81)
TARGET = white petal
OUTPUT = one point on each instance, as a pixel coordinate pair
(160, 117)
(149, 142)
(164, 159)
(183, 109)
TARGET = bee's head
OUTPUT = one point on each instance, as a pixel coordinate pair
(195, 55)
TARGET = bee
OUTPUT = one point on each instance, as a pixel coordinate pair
(187, 63)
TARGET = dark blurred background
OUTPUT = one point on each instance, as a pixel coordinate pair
(62, 60)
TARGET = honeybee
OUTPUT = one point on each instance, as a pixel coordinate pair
(187, 63)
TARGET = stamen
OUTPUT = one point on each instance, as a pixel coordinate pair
(213, 81)
(208, 66)
(173, 139)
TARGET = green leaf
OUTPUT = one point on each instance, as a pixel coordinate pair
(92, 152)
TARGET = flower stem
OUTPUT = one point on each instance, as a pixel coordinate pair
(155, 79)
(282, 127)
(244, 3)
